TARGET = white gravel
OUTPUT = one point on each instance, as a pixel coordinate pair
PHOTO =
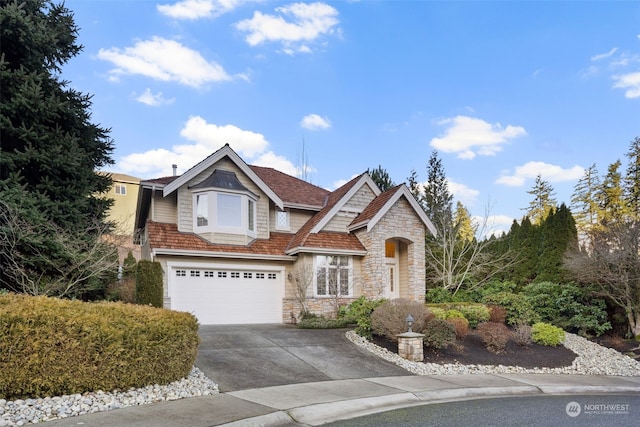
(27, 411)
(592, 359)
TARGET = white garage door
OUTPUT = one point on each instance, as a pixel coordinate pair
(227, 295)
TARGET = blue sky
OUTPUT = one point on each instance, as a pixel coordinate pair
(503, 90)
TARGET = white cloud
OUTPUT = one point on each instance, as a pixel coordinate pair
(196, 9)
(272, 160)
(315, 122)
(153, 100)
(466, 195)
(165, 60)
(292, 26)
(630, 82)
(469, 136)
(604, 55)
(531, 170)
(495, 224)
(206, 138)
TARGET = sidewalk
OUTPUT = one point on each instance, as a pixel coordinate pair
(321, 402)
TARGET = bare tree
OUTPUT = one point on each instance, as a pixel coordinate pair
(66, 264)
(302, 277)
(454, 262)
(611, 263)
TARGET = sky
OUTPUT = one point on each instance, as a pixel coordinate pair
(504, 90)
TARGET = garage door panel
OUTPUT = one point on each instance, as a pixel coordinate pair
(228, 297)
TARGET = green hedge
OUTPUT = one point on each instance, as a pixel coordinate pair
(149, 283)
(50, 346)
(545, 334)
(474, 312)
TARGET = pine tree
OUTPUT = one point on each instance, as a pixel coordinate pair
(437, 198)
(632, 180)
(381, 177)
(613, 208)
(543, 200)
(584, 201)
(415, 188)
(50, 150)
(557, 234)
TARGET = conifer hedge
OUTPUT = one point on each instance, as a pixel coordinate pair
(149, 283)
(52, 347)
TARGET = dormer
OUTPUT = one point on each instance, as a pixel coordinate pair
(221, 204)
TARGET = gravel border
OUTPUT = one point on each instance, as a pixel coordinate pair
(27, 411)
(592, 359)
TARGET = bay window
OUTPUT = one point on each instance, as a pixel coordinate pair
(222, 212)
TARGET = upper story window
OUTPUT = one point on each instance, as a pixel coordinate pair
(333, 275)
(282, 220)
(224, 213)
(121, 189)
(222, 204)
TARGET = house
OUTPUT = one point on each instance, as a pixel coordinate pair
(122, 213)
(249, 244)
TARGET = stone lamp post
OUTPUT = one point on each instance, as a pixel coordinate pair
(410, 343)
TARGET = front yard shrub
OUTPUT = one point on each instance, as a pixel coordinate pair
(453, 314)
(498, 314)
(149, 283)
(519, 309)
(439, 333)
(461, 325)
(569, 307)
(390, 318)
(546, 334)
(522, 334)
(473, 312)
(359, 312)
(51, 347)
(494, 335)
(313, 321)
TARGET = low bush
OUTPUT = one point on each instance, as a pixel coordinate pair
(312, 321)
(439, 333)
(453, 314)
(359, 312)
(546, 334)
(522, 334)
(474, 312)
(461, 325)
(50, 346)
(518, 307)
(498, 314)
(494, 335)
(390, 318)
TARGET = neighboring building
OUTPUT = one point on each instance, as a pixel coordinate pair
(250, 244)
(122, 213)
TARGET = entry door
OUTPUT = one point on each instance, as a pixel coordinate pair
(391, 269)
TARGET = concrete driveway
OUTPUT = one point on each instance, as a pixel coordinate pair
(239, 357)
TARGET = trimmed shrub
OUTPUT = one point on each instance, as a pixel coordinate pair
(312, 321)
(461, 325)
(522, 334)
(494, 335)
(149, 283)
(498, 314)
(359, 312)
(390, 318)
(546, 334)
(519, 310)
(453, 314)
(439, 333)
(52, 347)
(474, 312)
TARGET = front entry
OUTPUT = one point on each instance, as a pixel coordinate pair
(392, 288)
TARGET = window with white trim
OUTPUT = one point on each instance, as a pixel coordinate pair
(224, 212)
(282, 220)
(333, 275)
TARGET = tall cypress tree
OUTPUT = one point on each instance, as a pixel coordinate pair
(632, 180)
(49, 149)
(437, 199)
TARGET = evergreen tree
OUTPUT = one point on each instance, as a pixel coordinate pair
(437, 198)
(557, 234)
(415, 188)
(584, 201)
(632, 180)
(381, 177)
(543, 200)
(463, 224)
(50, 149)
(613, 208)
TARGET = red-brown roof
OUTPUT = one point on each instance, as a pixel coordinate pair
(164, 180)
(166, 236)
(291, 189)
(374, 207)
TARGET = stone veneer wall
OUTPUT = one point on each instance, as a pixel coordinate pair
(400, 222)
